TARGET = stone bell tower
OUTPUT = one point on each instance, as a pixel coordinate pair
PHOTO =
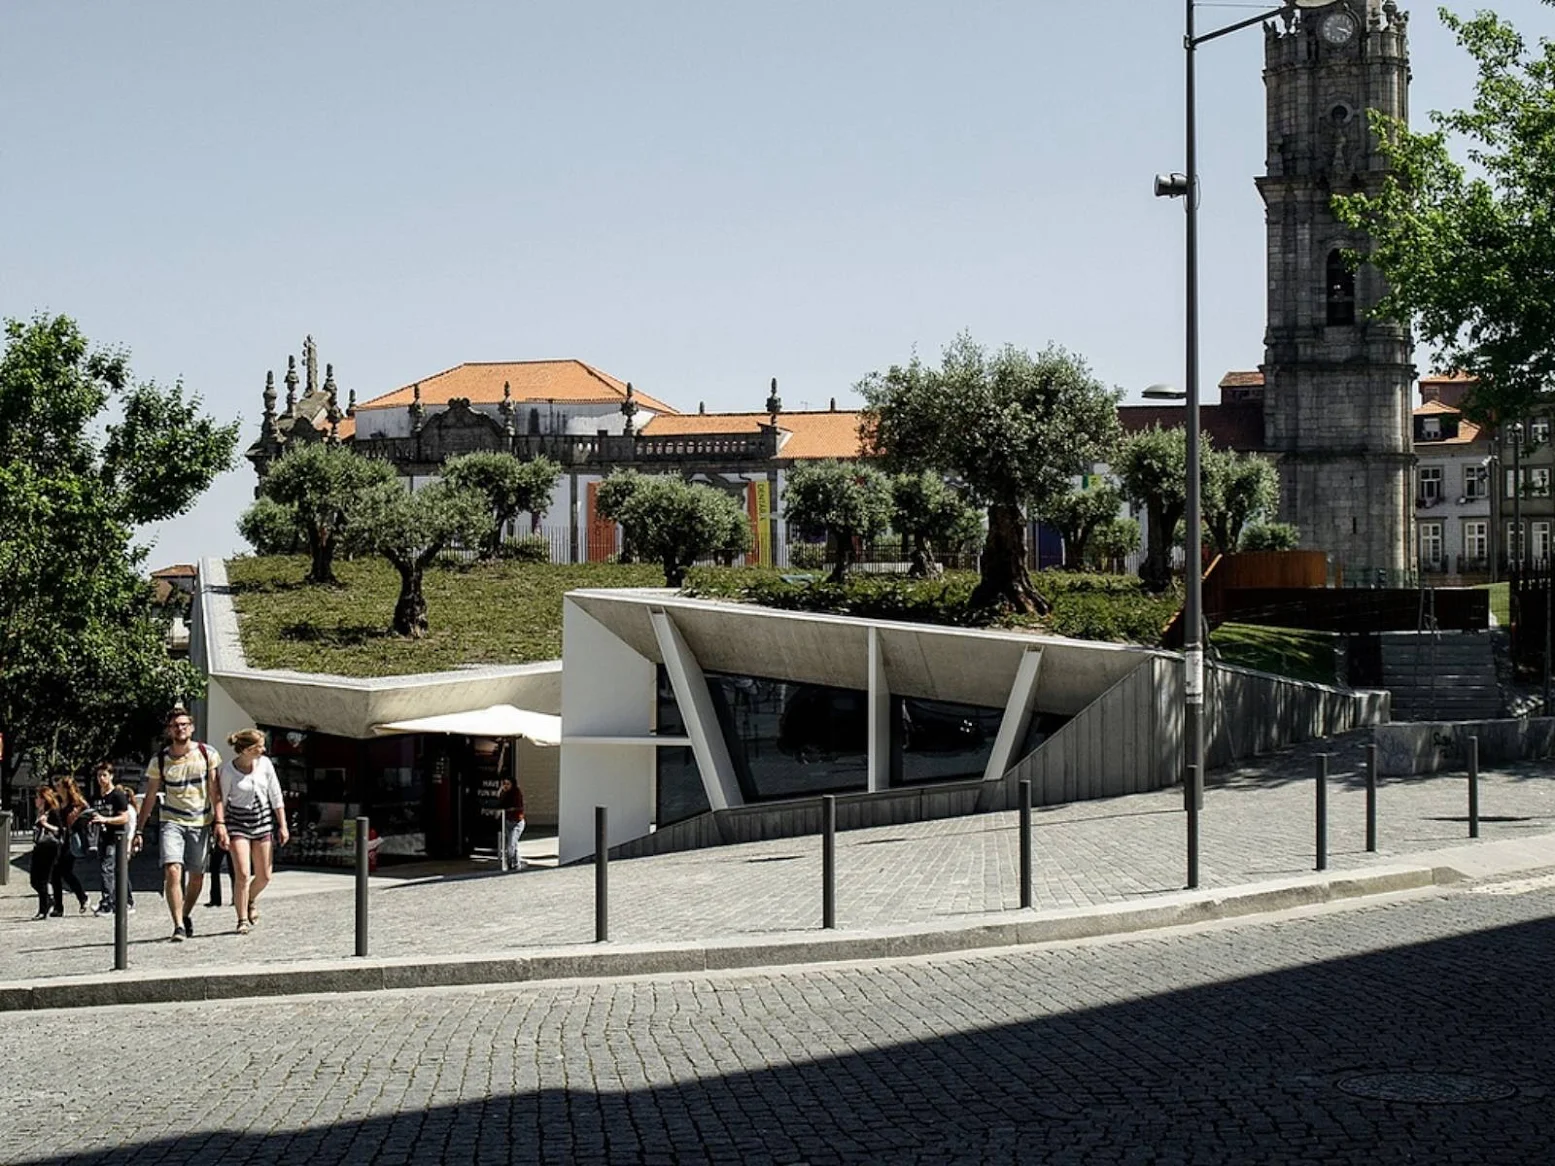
(1337, 382)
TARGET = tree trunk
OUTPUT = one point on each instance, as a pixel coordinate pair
(1156, 570)
(410, 610)
(839, 571)
(1006, 584)
(321, 549)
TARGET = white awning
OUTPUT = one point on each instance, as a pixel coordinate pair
(500, 720)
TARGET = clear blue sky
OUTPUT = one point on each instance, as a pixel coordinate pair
(692, 196)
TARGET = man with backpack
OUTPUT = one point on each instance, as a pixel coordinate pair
(184, 771)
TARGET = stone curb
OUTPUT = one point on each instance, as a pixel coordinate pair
(591, 962)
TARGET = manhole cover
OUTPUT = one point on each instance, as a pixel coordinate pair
(1427, 1088)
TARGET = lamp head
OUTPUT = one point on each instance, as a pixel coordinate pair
(1164, 392)
(1171, 185)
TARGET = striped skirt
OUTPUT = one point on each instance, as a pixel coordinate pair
(255, 822)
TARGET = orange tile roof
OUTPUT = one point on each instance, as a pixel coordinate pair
(530, 380)
(1242, 380)
(811, 435)
(177, 570)
(1468, 432)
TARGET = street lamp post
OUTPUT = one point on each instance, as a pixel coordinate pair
(1185, 186)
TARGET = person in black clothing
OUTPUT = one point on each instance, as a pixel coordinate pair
(74, 817)
(113, 817)
(47, 831)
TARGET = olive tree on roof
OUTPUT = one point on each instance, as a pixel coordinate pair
(1014, 428)
(512, 487)
(324, 485)
(847, 500)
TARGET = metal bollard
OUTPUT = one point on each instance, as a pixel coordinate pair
(1025, 842)
(502, 841)
(1322, 810)
(361, 887)
(1473, 787)
(1371, 798)
(5, 848)
(121, 902)
(601, 875)
(1193, 829)
(829, 861)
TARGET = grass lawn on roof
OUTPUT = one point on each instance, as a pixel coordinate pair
(500, 613)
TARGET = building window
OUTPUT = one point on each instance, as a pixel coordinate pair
(1430, 429)
(1536, 482)
(1341, 290)
(1541, 542)
(1431, 544)
(1539, 432)
(678, 790)
(1514, 550)
(1430, 485)
(1476, 540)
(1476, 482)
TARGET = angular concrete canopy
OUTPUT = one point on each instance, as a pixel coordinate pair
(938, 663)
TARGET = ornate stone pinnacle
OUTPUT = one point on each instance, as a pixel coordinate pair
(269, 394)
(629, 407)
(774, 402)
(417, 410)
(351, 404)
(505, 409)
(291, 384)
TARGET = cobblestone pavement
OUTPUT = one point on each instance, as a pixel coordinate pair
(1419, 1030)
(1257, 825)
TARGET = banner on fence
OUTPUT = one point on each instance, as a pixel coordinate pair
(758, 500)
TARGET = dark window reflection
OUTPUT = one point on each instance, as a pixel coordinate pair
(940, 740)
(789, 740)
(679, 786)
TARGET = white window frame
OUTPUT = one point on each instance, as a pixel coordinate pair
(1513, 545)
(1476, 482)
(1476, 539)
(1431, 542)
(1541, 542)
(1430, 484)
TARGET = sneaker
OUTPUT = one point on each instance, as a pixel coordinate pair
(57, 913)
(130, 910)
(178, 935)
(103, 909)
(83, 905)
(189, 926)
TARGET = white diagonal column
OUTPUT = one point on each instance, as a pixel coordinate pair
(1017, 715)
(696, 709)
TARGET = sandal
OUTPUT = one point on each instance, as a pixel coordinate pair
(244, 927)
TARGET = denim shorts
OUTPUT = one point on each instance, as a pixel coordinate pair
(186, 846)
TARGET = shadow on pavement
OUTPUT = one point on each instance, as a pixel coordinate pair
(1275, 1067)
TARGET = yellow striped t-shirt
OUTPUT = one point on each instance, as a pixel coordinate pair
(185, 799)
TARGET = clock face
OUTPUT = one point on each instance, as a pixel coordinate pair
(1338, 28)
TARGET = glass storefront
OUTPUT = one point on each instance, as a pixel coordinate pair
(790, 740)
(427, 795)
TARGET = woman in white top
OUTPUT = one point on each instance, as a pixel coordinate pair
(251, 800)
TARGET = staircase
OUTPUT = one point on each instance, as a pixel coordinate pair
(1441, 676)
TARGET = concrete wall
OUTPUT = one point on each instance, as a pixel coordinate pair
(1442, 746)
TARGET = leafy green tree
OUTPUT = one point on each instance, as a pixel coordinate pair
(410, 530)
(1152, 465)
(1112, 541)
(1076, 516)
(271, 528)
(675, 522)
(323, 485)
(512, 487)
(847, 500)
(1270, 536)
(84, 669)
(1238, 488)
(1468, 250)
(929, 511)
(1014, 428)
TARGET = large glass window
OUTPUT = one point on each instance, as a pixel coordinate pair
(791, 740)
(937, 740)
(679, 792)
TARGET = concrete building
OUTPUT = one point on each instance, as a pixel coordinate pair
(695, 722)
(1337, 379)
(345, 746)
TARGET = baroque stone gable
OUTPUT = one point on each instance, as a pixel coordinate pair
(460, 429)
